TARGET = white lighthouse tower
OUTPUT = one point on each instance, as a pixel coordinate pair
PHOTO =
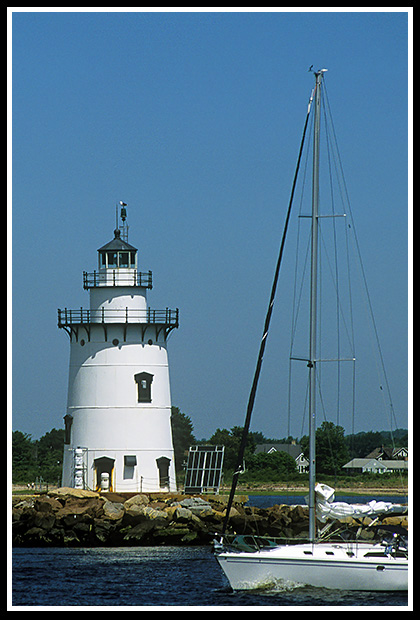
(118, 422)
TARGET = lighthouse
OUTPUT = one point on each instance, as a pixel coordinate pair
(118, 423)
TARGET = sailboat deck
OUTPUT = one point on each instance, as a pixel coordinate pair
(323, 551)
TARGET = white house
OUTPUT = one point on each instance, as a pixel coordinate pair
(365, 465)
(375, 466)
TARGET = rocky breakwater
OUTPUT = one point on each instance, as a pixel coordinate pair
(72, 518)
(78, 518)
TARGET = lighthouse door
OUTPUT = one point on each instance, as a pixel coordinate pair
(104, 465)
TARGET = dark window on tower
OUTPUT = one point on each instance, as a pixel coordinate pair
(163, 466)
(68, 421)
(130, 462)
(144, 387)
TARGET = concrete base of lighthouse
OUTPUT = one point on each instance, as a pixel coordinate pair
(119, 470)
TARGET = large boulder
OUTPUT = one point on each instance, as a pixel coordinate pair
(176, 534)
(47, 504)
(76, 506)
(155, 515)
(44, 520)
(198, 506)
(181, 514)
(113, 511)
(138, 533)
(136, 500)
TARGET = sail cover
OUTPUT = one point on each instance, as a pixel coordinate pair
(326, 507)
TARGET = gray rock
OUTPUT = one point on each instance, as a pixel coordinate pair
(182, 515)
(113, 511)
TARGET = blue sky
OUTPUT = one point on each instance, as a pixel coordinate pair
(194, 119)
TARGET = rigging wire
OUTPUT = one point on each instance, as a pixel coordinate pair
(345, 203)
(384, 386)
(297, 297)
(265, 332)
(364, 279)
(336, 265)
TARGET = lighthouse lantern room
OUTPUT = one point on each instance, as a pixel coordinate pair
(118, 422)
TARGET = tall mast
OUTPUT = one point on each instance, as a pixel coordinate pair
(313, 305)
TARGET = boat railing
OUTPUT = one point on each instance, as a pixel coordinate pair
(251, 543)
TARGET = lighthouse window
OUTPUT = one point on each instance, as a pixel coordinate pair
(130, 461)
(123, 259)
(112, 259)
(132, 259)
(163, 467)
(144, 387)
(68, 420)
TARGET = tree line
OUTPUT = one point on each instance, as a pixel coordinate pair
(32, 459)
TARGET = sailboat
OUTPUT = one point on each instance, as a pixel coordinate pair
(346, 565)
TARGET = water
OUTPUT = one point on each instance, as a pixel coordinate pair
(161, 576)
(155, 577)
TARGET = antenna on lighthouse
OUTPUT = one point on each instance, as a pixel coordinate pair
(123, 215)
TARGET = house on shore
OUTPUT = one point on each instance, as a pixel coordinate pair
(295, 451)
(380, 461)
(388, 454)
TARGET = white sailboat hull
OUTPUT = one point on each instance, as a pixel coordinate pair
(346, 567)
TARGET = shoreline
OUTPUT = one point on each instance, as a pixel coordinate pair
(263, 489)
(71, 517)
(293, 490)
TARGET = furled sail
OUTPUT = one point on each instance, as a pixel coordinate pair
(326, 507)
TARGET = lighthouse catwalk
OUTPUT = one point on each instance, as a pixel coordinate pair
(118, 423)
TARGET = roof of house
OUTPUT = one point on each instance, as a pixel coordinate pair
(293, 449)
(383, 450)
(387, 453)
(395, 464)
(375, 464)
(360, 463)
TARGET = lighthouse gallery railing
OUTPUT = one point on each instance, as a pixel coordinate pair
(68, 317)
(117, 277)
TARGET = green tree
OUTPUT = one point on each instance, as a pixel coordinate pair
(276, 463)
(182, 436)
(361, 444)
(24, 466)
(331, 448)
(50, 454)
(42, 457)
(232, 441)
(332, 451)
(223, 437)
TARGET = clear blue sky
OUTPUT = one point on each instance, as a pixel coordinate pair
(194, 119)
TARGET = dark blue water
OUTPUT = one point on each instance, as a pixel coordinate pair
(154, 577)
